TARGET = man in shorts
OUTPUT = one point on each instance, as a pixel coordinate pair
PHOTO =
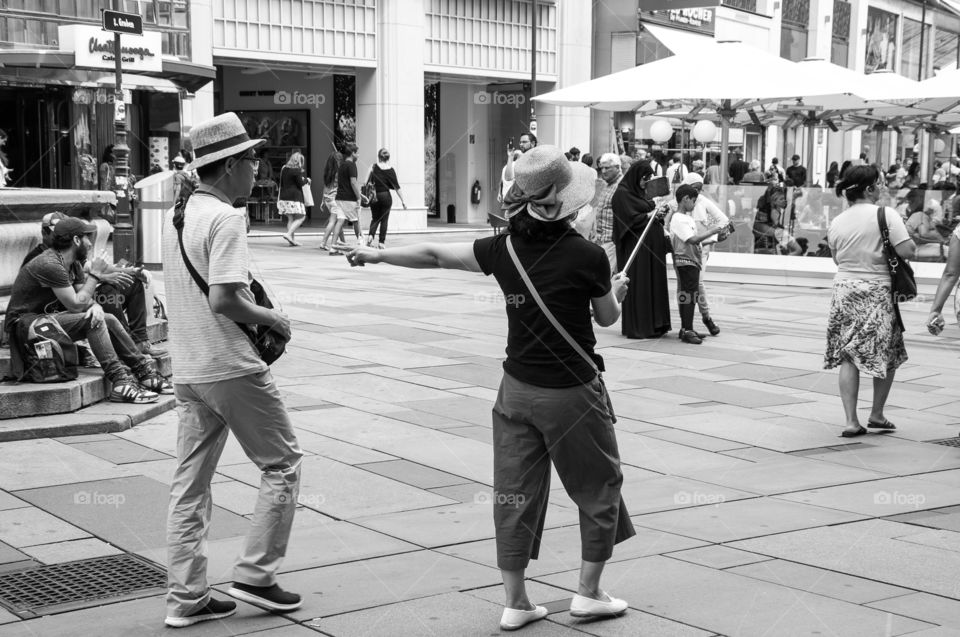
(347, 203)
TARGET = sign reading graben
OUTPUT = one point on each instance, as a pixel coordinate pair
(122, 22)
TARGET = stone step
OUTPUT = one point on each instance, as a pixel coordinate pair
(18, 400)
(104, 417)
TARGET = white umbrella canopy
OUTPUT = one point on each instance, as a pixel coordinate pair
(683, 78)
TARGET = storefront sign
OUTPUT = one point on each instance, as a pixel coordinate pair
(93, 48)
(701, 20)
(669, 5)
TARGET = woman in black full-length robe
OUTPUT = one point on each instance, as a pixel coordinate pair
(646, 309)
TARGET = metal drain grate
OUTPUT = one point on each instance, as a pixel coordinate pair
(57, 587)
(947, 442)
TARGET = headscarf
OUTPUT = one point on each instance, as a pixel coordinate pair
(630, 203)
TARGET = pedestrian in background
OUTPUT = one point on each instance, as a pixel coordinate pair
(330, 171)
(552, 404)
(290, 202)
(346, 204)
(603, 205)
(384, 179)
(646, 308)
(863, 331)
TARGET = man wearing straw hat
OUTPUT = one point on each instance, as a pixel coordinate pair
(223, 386)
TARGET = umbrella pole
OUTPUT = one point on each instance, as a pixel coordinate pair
(811, 123)
(725, 114)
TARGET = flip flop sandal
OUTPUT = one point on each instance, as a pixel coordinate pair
(853, 434)
(288, 239)
(881, 425)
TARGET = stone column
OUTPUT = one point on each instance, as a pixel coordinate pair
(390, 105)
(568, 127)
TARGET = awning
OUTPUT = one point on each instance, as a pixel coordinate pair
(677, 40)
(58, 67)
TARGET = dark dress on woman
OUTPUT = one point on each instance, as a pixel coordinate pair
(646, 308)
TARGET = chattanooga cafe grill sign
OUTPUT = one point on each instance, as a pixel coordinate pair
(690, 15)
(93, 48)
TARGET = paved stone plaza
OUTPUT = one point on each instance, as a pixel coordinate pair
(753, 516)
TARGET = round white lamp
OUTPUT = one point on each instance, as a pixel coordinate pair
(704, 131)
(661, 131)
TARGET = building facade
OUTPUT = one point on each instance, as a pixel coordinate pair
(442, 84)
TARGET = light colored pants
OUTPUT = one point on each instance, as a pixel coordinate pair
(702, 302)
(611, 249)
(250, 407)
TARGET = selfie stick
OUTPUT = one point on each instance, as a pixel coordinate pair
(636, 249)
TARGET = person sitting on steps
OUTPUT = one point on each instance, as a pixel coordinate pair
(51, 282)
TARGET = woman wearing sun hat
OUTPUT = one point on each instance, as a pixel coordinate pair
(552, 404)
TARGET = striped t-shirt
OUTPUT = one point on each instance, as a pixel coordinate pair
(206, 346)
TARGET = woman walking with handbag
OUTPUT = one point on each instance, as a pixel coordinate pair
(290, 201)
(383, 178)
(864, 333)
(552, 403)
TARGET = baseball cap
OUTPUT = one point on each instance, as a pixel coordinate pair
(795, 157)
(69, 227)
(692, 178)
(50, 220)
(179, 161)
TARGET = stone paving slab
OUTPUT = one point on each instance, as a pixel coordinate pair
(441, 615)
(342, 588)
(140, 617)
(856, 590)
(879, 497)
(730, 521)
(70, 550)
(417, 475)
(50, 463)
(119, 451)
(718, 556)
(892, 456)
(778, 433)
(931, 608)
(8, 501)
(729, 604)
(30, 526)
(869, 550)
(9, 554)
(126, 512)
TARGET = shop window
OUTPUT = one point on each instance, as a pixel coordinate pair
(840, 43)
(793, 43)
(946, 49)
(913, 56)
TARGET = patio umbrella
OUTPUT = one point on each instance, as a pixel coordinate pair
(752, 78)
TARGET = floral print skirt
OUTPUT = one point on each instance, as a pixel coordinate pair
(862, 328)
(292, 208)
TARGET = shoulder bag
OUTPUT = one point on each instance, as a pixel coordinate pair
(903, 285)
(369, 191)
(591, 361)
(269, 344)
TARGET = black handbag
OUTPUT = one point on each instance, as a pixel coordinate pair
(903, 284)
(369, 192)
(269, 344)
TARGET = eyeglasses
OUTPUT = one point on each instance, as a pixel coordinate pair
(608, 166)
(253, 160)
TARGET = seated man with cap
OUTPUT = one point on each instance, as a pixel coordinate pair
(52, 284)
(120, 291)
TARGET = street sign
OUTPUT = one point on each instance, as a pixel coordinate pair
(122, 22)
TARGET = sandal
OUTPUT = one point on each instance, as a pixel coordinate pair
(288, 240)
(853, 434)
(128, 391)
(886, 424)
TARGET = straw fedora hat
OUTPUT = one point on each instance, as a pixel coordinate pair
(219, 138)
(544, 166)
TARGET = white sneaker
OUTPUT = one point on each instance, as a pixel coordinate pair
(512, 618)
(581, 606)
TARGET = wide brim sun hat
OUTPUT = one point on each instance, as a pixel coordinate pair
(549, 186)
(219, 138)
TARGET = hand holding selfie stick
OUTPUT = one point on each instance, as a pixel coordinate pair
(636, 249)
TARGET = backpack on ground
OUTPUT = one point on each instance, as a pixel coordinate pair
(47, 353)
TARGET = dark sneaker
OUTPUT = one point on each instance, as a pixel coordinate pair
(148, 349)
(214, 609)
(128, 391)
(708, 322)
(271, 598)
(689, 336)
(156, 383)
